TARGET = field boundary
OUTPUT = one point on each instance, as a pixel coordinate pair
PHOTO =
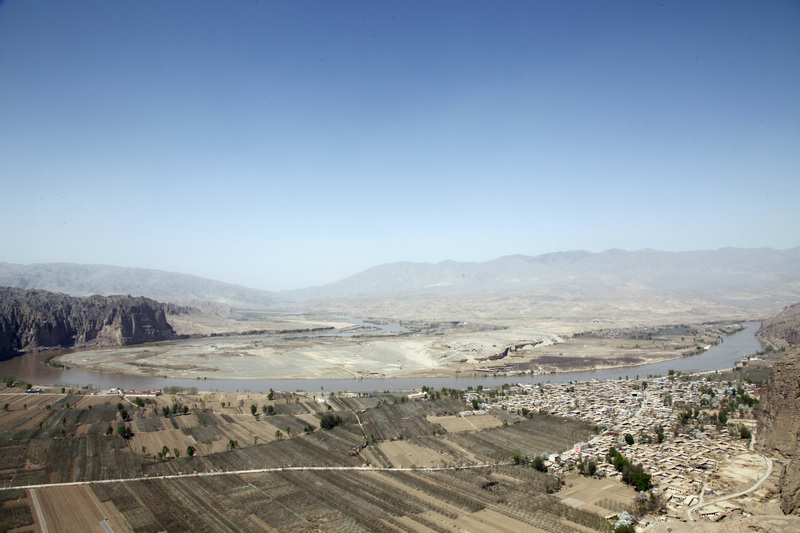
(260, 471)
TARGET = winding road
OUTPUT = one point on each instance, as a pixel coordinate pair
(702, 503)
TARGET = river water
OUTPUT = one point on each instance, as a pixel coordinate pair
(30, 367)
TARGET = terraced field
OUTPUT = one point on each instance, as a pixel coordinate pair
(262, 469)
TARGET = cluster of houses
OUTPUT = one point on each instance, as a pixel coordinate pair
(680, 464)
(144, 393)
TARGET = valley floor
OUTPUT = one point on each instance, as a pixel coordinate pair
(446, 349)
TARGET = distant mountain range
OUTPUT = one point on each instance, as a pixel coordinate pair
(761, 278)
(730, 273)
(84, 280)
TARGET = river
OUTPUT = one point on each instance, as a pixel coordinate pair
(30, 367)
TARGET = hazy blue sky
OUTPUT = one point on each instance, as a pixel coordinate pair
(280, 145)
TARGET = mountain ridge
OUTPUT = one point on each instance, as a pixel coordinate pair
(80, 280)
(760, 280)
(706, 272)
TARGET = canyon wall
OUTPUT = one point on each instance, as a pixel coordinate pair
(778, 412)
(33, 320)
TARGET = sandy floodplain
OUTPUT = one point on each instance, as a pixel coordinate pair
(429, 350)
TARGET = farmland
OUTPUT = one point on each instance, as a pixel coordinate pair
(248, 462)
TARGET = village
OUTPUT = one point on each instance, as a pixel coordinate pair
(671, 425)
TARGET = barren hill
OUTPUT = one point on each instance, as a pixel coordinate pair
(723, 272)
(577, 285)
(85, 280)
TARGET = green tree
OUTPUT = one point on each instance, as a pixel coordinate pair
(253, 409)
(538, 463)
(329, 421)
(635, 476)
(516, 457)
(190, 451)
(628, 439)
(612, 453)
(744, 432)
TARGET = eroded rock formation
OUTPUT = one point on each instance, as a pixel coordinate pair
(36, 320)
(779, 409)
(782, 330)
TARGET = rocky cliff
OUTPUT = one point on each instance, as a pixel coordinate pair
(782, 330)
(35, 320)
(779, 408)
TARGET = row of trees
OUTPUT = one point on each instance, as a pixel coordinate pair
(265, 409)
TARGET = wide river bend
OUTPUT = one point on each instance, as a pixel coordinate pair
(30, 367)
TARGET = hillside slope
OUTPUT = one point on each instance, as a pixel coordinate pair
(730, 281)
(779, 408)
(85, 280)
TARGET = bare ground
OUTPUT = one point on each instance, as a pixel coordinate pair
(448, 349)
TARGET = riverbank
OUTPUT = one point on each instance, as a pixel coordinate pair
(31, 367)
(451, 351)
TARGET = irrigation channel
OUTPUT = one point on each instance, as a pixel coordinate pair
(30, 367)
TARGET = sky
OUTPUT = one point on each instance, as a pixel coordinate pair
(282, 145)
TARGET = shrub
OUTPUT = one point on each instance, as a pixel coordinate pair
(329, 421)
(744, 432)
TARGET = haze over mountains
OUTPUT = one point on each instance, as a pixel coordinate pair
(85, 280)
(750, 279)
(724, 270)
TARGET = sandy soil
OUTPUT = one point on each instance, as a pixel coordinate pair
(403, 453)
(76, 509)
(604, 497)
(460, 424)
(451, 349)
(208, 324)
